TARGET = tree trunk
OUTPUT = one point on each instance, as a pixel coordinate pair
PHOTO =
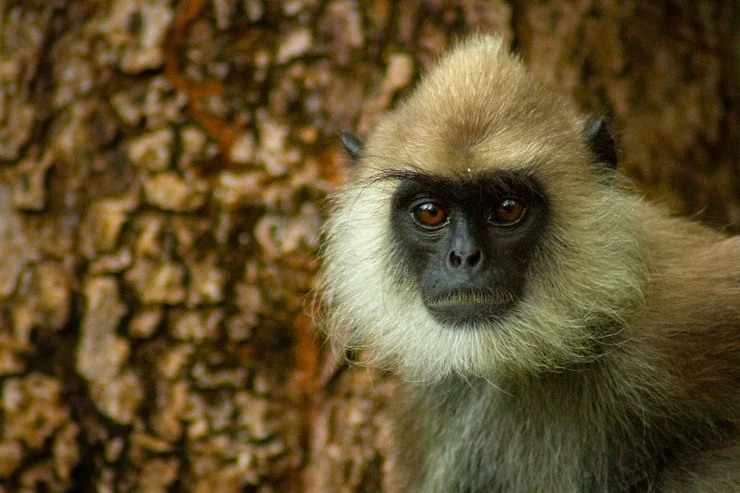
(163, 168)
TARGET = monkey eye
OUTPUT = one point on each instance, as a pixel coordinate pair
(429, 215)
(507, 212)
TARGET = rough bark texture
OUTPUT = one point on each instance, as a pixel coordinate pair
(162, 168)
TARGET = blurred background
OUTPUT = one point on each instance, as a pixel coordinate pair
(163, 165)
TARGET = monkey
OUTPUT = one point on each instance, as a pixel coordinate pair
(550, 329)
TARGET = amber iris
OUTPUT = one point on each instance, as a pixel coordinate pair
(430, 214)
(507, 212)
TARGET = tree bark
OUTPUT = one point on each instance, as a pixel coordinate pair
(163, 167)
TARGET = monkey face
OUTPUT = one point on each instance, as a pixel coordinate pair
(468, 241)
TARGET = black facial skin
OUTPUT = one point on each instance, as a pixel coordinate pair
(470, 264)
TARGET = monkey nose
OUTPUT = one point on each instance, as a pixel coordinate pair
(464, 259)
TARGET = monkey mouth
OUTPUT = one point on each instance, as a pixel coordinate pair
(468, 306)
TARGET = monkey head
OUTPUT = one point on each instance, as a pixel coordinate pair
(483, 231)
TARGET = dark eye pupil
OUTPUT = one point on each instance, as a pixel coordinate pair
(508, 206)
(430, 210)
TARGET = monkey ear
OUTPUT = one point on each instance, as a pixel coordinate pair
(600, 141)
(352, 145)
